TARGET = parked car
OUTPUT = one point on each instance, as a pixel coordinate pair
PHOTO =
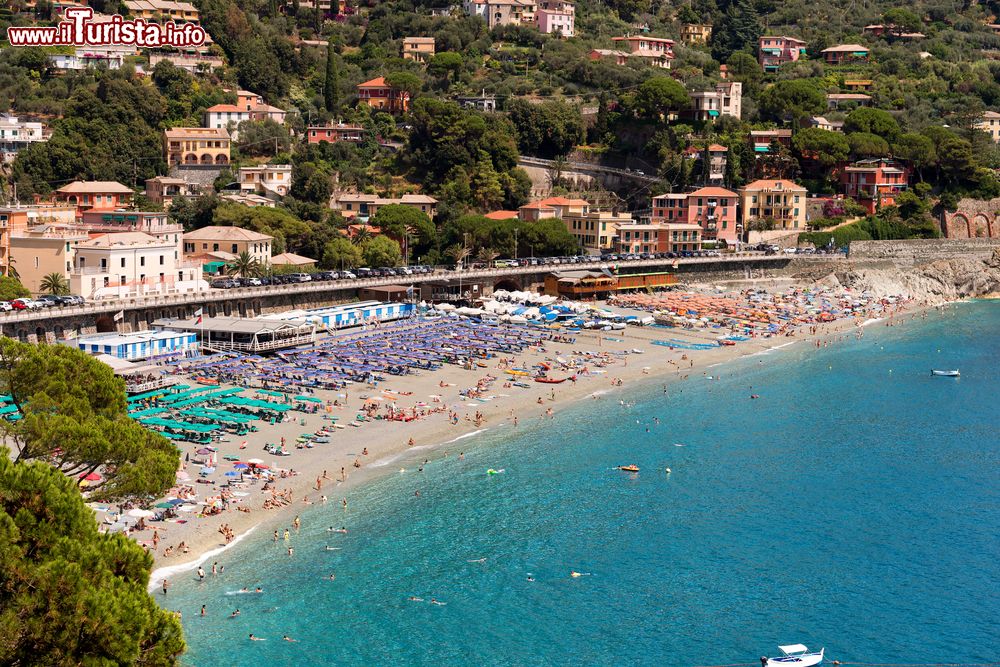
(5, 306)
(25, 304)
(224, 283)
(49, 300)
(74, 300)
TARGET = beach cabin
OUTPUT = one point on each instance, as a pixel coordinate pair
(143, 345)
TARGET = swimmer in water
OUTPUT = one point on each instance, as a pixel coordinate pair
(478, 560)
(259, 590)
(342, 529)
(329, 548)
(235, 614)
(256, 639)
(288, 639)
(579, 574)
(415, 599)
(332, 577)
(530, 578)
(438, 602)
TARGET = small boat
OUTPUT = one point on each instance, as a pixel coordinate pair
(548, 380)
(517, 371)
(947, 374)
(629, 468)
(795, 654)
(725, 342)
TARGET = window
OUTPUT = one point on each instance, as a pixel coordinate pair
(235, 251)
(142, 261)
(123, 262)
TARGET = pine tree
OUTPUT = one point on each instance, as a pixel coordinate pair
(331, 87)
(739, 30)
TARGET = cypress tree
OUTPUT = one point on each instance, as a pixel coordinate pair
(331, 87)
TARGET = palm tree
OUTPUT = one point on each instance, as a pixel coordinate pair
(459, 253)
(487, 255)
(12, 270)
(362, 233)
(54, 283)
(245, 265)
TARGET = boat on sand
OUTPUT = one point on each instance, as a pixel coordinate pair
(794, 655)
(548, 380)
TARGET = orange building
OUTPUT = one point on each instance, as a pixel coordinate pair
(379, 95)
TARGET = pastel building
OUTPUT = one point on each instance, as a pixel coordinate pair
(713, 209)
(267, 179)
(154, 223)
(874, 183)
(16, 135)
(378, 94)
(39, 250)
(553, 207)
(724, 100)
(191, 146)
(655, 51)
(776, 51)
(696, 33)
(556, 16)
(843, 54)
(231, 240)
(989, 123)
(418, 48)
(179, 12)
(163, 190)
(502, 12)
(125, 264)
(779, 200)
(95, 195)
(334, 133)
(365, 206)
(595, 231)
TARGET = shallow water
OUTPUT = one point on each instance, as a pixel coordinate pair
(855, 505)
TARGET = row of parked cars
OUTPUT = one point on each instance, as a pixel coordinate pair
(46, 301)
(295, 278)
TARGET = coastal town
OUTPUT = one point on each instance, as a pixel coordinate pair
(260, 258)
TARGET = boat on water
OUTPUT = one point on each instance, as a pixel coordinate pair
(796, 655)
(947, 374)
(629, 468)
(548, 380)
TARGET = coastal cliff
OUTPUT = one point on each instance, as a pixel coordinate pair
(935, 282)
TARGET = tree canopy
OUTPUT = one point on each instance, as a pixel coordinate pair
(75, 418)
(68, 594)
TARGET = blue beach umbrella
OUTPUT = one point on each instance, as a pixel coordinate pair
(232, 473)
(240, 466)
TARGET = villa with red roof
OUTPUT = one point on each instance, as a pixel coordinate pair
(377, 94)
(712, 208)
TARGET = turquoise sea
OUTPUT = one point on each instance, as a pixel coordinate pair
(855, 505)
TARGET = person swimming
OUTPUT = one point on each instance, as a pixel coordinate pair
(579, 574)
(288, 639)
(415, 599)
(235, 614)
(256, 639)
(332, 577)
(478, 560)
(329, 548)
(438, 602)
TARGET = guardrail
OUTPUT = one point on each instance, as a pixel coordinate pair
(195, 300)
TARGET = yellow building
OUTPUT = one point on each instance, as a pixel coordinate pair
(596, 231)
(163, 9)
(779, 200)
(696, 33)
(196, 146)
(418, 48)
(43, 249)
(990, 124)
(233, 240)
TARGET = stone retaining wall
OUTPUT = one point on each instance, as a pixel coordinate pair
(923, 251)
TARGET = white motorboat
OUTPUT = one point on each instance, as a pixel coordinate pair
(947, 374)
(795, 655)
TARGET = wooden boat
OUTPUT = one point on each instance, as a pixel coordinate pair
(207, 381)
(629, 468)
(727, 342)
(947, 374)
(548, 380)
(795, 655)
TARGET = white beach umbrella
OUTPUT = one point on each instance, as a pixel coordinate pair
(141, 513)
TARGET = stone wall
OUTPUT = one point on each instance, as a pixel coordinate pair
(923, 251)
(974, 218)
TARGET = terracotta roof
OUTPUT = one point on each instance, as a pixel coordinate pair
(712, 192)
(220, 108)
(225, 234)
(845, 48)
(102, 187)
(769, 184)
(537, 205)
(501, 215)
(419, 40)
(291, 258)
(196, 133)
(562, 201)
(374, 83)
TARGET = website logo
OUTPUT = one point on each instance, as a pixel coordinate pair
(79, 29)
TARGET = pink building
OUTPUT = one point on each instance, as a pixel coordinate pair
(776, 51)
(713, 209)
(556, 16)
(656, 51)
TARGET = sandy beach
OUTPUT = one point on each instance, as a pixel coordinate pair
(333, 469)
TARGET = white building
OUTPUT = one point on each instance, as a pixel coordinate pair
(990, 123)
(89, 57)
(725, 100)
(17, 134)
(267, 179)
(226, 117)
(130, 264)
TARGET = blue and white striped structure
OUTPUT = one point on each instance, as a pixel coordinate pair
(350, 314)
(141, 345)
